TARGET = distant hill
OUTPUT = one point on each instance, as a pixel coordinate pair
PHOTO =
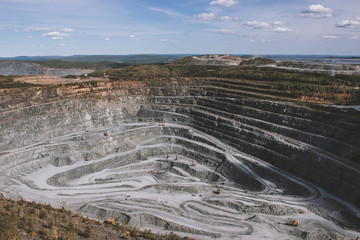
(130, 59)
(225, 60)
(30, 58)
(76, 65)
(55, 63)
(166, 58)
(26, 68)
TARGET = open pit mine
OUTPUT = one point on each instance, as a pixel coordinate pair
(204, 157)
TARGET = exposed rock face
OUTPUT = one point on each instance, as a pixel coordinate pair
(171, 144)
(320, 66)
(222, 60)
(54, 80)
(332, 69)
(228, 60)
(29, 68)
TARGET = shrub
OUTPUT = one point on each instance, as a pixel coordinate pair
(25, 223)
(173, 236)
(70, 234)
(8, 223)
(53, 233)
(134, 232)
(89, 231)
(43, 214)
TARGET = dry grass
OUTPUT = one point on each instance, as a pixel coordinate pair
(30, 220)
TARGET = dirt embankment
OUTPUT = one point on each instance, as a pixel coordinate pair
(54, 80)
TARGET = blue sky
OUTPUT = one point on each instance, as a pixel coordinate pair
(69, 27)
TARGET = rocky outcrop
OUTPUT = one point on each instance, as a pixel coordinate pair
(222, 60)
(29, 68)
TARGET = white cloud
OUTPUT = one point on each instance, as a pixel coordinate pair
(226, 31)
(168, 40)
(55, 35)
(224, 3)
(205, 16)
(257, 25)
(228, 19)
(132, 36)
(57, 38)
(69, 30)
(167, 12)
(60, 44)
(36, 29)
(329, 36)
(317, 11)
(276, 26)
(107, 39)
(278, 23)
(281, 29)
(349, 23)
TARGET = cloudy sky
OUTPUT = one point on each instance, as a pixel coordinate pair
(68, 27)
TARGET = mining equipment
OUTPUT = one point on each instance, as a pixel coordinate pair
(293, 222)
(110, 221)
